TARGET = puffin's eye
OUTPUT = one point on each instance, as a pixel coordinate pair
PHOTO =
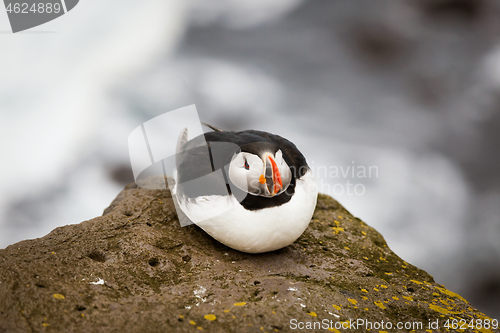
(246, 165)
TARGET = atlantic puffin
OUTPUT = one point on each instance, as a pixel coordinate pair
(251, 190)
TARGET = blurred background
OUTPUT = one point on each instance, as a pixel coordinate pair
(410, 88)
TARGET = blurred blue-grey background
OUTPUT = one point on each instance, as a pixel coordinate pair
(411, 88)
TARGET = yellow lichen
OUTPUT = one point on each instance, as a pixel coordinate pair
(396, 298)
(379, 304)
(336, 230)
(408, 298)
(383, 286)
(59, 296)
(444, 302)
(312, 314)
(239, 304)
(450, 293)
(353, 301)
(192, 322)
(364, 290)
(441, 310)
(336, 307)
(210, 317)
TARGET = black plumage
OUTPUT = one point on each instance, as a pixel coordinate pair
(198, 159)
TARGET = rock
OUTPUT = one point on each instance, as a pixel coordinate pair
(134, 269)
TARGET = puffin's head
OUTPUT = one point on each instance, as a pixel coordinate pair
(260, 169)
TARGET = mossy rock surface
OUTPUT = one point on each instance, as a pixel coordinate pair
(134, 269)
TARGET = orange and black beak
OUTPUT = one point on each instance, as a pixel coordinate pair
(272, 175)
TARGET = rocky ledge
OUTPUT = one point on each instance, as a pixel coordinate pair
(134, 269)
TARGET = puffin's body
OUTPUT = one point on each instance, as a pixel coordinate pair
(257, 192)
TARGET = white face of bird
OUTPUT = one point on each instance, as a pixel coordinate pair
(267, 175)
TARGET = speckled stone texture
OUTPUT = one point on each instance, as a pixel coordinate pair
(134, 269)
